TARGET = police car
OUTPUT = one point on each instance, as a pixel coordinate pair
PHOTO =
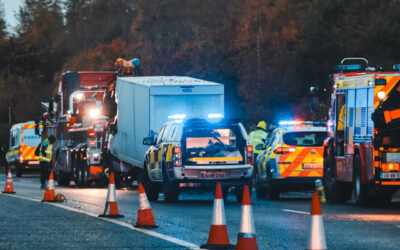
(196, 153)
(292, 159)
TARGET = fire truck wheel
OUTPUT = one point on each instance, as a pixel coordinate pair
(359, 189)
(152, 190)
(336, 191)
(261, 191)
(171, 188)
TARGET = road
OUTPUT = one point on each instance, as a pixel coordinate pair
(281, 224)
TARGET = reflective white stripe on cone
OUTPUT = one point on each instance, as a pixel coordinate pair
(218, 237)
(9, 185)
(111, 201)
(247, 234)
(316, 239)
(145, 216)
(49, 195)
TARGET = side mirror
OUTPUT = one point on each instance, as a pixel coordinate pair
(149, 141)
(260, 147)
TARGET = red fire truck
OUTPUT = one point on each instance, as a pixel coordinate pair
(362, 152)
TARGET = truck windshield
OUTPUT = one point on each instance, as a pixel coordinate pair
(304, 138)
(217, 145)
(30, 138)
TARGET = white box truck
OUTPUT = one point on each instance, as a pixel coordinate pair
(146, 103)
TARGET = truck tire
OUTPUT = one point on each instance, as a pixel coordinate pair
(84, 170)
(63, 179)
(152, 189)
(336, 191)
(171, 188)
(261, 191)
(76, 170)
(360, 190)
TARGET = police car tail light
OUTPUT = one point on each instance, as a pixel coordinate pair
(177, 157)
(249, 154)
(21, 158)
(284, 150)
(388, 167)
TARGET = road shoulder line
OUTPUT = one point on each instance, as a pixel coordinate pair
(117, 222)
(295, 211)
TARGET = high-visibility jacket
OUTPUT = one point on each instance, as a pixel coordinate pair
(257, 137)
(48, 153)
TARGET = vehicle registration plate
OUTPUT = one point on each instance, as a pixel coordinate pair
(211, 174)
(33, 162)
(394, 175)
(311, 165)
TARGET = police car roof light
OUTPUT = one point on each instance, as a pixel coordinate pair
(177, 116)
(216, 116)
(293, 123)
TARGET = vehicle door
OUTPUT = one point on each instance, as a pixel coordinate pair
(13, 151)
(154, 157)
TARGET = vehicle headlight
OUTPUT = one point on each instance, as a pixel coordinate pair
(94, 113)
(381, 95)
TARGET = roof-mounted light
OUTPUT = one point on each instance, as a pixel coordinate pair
(348, 67)
(299, 123)
(177, 117)
(215, 116)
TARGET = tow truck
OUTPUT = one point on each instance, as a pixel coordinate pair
(362, 152)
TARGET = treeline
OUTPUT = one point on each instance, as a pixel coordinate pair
(266, 52)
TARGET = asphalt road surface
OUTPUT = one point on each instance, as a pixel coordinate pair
(281, 224)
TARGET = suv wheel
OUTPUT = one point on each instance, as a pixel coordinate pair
(261, 191)
(152, 191)
(271, 191)
(171, 188)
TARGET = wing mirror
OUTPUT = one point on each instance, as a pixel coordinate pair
(149, 141)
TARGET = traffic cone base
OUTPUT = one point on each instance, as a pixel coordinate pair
(111, 201)
(245, 242)
(218, 238)
(145, 216)
(9, 186)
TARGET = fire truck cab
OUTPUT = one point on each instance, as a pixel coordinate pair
(362, 151)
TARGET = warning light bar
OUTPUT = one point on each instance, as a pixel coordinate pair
(349, 67)
(177, 116)
(300, 123)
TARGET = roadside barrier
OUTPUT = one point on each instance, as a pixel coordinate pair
(317, 232)
(111, 201)
(145, 216)
(9, 186)
(49, 195)
(218, 237)
(247, 234)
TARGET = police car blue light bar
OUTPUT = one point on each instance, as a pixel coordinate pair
(215, 116)
(294, 123)
(177, 116)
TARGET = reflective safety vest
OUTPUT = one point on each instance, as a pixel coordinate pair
(47, 156)
(257, 137)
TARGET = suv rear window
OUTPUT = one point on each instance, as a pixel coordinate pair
(212, 145)
(304, 138)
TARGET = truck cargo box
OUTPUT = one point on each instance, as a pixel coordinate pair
(146, 103)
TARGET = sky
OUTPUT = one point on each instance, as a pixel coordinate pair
(10, 8)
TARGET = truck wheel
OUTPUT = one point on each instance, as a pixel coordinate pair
(84, 170)
(63, 179)
(336, 191)
(152, 190)
(261, 191)
(171, 188)
(360, 190)
(18, 170)
(76, 168)
(272, 193)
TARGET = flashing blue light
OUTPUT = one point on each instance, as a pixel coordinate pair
(349, 67)
(177, 117)
(215, 116)
(290, 123)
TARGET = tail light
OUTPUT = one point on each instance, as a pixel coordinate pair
(177, 157)
(91, 132)
(249, 154)
(21, 158)
(284, 150)
(388, 167)
(92, 137)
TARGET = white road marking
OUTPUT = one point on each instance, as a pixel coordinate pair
(295, 211)
(121, 223)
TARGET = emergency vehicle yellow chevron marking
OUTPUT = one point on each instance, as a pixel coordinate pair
(293, 164)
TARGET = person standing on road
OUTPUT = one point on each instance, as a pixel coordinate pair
(258, 137)
(45, 155)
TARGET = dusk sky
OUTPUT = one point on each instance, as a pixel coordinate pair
(10, 8)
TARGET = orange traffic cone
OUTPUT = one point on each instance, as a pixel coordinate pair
(247, 234)
(317, 232)
(9, 186)
(145, 216)
(49, 195)
(218, 236)
(111, 200)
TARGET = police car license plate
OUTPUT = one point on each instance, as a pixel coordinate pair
(311, 165)
(211, 174)
(394, 175)
(33, 162)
